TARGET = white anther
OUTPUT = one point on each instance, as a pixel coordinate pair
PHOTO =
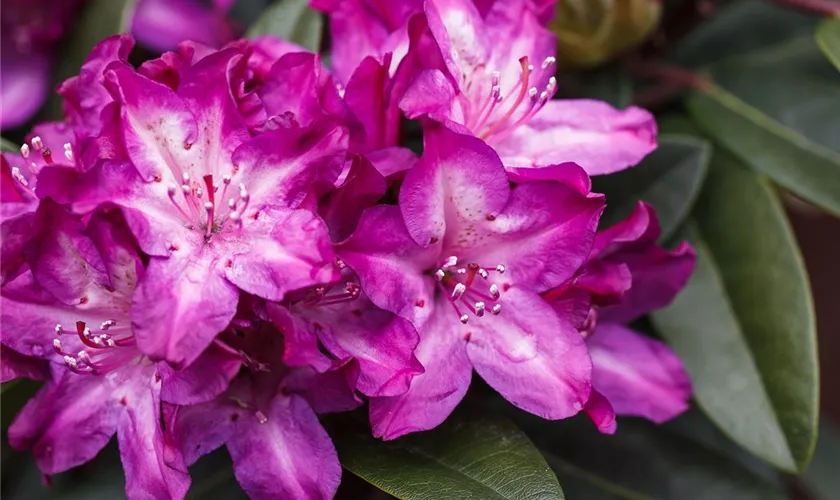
(107, 324)
(458, 291)
(244, 194)
(24, 151)
(543, 96)
(500, 269)
(496, 309)
(494, 291)
(57, 346)
(483, 273)
(70, 361)
(185, 189)
(462, 270)
(440, 274)
(185, 177)
(208, 206)
(68, 153)
(451, 261)
(226, 179)
(495, 77)
(110, 342)
(37, 143)
(464, 318)
(530, 68)
(532, 93)
(171, 190)
(215, 187)
(261, 418)
(479, 309)
(548, 62)
(97, 340)
(199, 192)
(86, 333)
(232, 204)
(234, 216)
(83, 357)
(59, 329)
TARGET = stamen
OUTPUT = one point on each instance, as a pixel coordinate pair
(494, 291)
(24, 151)
(459, 290)
(37, 143)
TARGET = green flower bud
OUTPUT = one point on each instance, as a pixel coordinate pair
(590, 32)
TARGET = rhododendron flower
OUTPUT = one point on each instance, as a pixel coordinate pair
(628, 275)
(72, 307)
(267, 421)
(216, 209)
(163, 24)
(30, 31)
(496, 81)
(464, 257)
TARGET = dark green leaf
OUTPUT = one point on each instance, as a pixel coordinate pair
(98, 20)
(669, 179)
(609, 84)
(828, 37)
(742, 27)
(291, 20)
(744, 325)
(768, 126)
(821, 476)
(479, 458)
(8, 146)
(642, 461)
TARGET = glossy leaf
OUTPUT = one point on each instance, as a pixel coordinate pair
(463, 459)
(828, 37)
(669, 179)
(98, 20)
(768, 126)
(744, 325)
(642, 461)
(291, 20)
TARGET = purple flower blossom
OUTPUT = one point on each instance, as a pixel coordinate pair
(215, 208)
(163, 24)
(30, 31)
(464, 258)
(495, 81)
(628, 275)
(71, 306)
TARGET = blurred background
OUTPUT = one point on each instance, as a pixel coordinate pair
(647, 52)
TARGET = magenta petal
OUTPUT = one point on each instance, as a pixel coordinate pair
(300, 339)
(431, 93)
(25, 84)
(390, 264)
(196, 430)
(601, 412)
(15, 232)
(392, 161)
(67, 422)
(592, 134)
(299, 85)
(180, 305)
(142, 448)
(459, 180)
(163, 24)
(287, 250)
(532, 357)
(206, 378)
(381, 342)
(328, 392)
(15, 365)
(639, 376)
(343, 208)
(289, 455)
(434, 394)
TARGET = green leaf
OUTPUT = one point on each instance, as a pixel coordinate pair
(291, 20)
(828, 38)
(772, 129)
(642, 461)
(744, 325)
(98, 20)
(669, 179)
(7, 146)
(463, 459)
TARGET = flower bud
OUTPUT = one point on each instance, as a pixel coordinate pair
(590, 32)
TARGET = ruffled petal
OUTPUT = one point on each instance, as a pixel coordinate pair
(639, 376)
(16, 365)
(531, 356)
(288, 455)
(181, 304)
(197, 430)
(434, 394)
(458, 181)
(601, 412)
(204, 379)
(67, 422)
(390, 265)
(362, 188)
(592, 134)
(150, 467)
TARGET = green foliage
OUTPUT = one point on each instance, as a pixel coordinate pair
(291, 20)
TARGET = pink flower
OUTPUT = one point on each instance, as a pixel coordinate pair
(628, 275)
(71, 306)
(496, 82)
(464, 258)
(217, 210)
(163, 24)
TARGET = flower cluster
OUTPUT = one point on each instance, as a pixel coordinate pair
(217, 246)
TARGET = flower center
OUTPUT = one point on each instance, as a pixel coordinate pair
(493, 113)
(30, 154)
(209, 216)
(461, 285)
(105, 350)
(344, 290)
